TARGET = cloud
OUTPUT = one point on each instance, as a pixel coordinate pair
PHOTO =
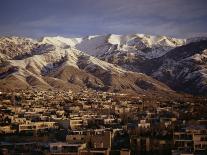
(180, 18)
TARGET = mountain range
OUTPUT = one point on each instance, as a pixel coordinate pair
(134, 63)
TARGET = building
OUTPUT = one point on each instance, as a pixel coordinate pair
(61, 148)
(192, 140)
(35, 126)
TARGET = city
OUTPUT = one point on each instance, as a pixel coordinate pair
(100, 123)
(103, 77)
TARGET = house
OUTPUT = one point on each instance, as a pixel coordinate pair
(193, 139)
(101, 139)
(76, 123)
(65, 148)
(34, 126)
(77, 137)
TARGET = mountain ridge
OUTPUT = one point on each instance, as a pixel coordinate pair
(115, 63)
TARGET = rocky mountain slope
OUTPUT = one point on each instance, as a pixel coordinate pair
(50, 65)
(116, 48)
(119, 63)
(184, 68)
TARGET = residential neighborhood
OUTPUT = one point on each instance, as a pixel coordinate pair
(99, 123)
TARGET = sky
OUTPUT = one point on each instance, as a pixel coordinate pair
(76, 18)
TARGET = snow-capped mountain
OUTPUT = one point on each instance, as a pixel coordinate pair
(104, 62)
(104, 46)
(115, 45)
(123, 50)
(52, 64)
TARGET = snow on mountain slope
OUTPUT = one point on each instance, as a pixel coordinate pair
(61, 41)
(99, 45)
(111, 45)
(69, 68)
(137, 43)
(102, 62)
(184, 68)
(94, 45)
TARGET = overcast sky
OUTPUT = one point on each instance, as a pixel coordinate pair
(37, 18)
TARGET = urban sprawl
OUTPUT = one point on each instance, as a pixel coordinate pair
(99, 123)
